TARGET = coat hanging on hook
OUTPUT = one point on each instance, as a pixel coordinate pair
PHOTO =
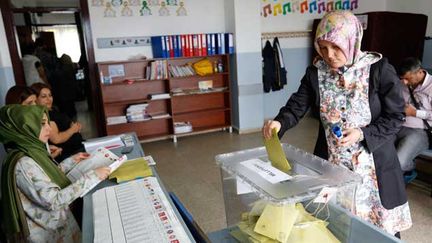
(274, 72)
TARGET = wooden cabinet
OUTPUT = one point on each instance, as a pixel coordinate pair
(205, 109)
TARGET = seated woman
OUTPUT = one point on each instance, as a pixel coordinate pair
(19, 94)
(24, 95)
(65, 133)
(35, 192)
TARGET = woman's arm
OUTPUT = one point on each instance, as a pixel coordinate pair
(38, 187)
(58, 137)
(392, 114)
(298, 104)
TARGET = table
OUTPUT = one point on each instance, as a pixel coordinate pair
(87, 220)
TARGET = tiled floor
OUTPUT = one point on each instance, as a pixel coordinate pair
(188, 168)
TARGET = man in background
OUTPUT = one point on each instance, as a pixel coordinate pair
(412, 139)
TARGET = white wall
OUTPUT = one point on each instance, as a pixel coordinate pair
(203, 17)
(303, 21)
(6, 72)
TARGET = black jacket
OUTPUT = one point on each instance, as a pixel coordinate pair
(387, 109)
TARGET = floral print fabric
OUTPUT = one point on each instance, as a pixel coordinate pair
(344, 102)
(343, 29)
(46, 205)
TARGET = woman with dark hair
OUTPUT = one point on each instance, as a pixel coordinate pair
(24, 95)
(19, 94)
(65, 132)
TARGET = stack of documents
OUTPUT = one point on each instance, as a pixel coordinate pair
(182, 127)
(109, 142)
(131, 170)
(137, 113)
(136, 211)
(111, 120)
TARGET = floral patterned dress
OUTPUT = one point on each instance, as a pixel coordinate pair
(46, 205)
(344, 102)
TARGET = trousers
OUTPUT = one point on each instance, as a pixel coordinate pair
(410, 142)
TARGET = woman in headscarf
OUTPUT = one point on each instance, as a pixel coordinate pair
(35, 192)
(360, 93)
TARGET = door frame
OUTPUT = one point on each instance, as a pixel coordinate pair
(9, 25)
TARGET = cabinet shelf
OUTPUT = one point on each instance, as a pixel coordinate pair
(133, 102)
(205, 110)
(199, 76)
(199, 112)
(203, 130)
(198, 92)
(135, 81)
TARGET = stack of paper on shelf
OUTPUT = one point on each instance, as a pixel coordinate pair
(116, 120)
(137, 113)
(159, 96)
(182, 127)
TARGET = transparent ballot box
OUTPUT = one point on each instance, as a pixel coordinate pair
(309, 174)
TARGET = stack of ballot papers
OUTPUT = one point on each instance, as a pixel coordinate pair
(136, 211)
(109, 142)
(131, 170)
(288, 223)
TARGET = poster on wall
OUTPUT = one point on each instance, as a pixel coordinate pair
(273, 8)
(145, 8)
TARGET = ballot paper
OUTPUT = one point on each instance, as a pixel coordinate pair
(109, 142)
(275, 152)
(98, 158)
(136, 211)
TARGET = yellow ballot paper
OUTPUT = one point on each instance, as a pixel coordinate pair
(314, 231)
(276, 153)
(132, 169)
(276, 221)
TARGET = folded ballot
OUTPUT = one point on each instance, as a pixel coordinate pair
(276, 221)
(288, 223)
(275, 153)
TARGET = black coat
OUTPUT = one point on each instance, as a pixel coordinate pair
(387, 109)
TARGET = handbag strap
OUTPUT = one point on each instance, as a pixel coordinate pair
(417, 106)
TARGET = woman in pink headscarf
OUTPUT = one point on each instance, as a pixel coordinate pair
(360, 93)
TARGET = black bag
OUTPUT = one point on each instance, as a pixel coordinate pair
(428, 127)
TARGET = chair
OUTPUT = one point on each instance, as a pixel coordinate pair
(424, 162)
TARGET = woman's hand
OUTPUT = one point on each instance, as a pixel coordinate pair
(55, 151)
(268, 128)
(80, 156)
(350, 136)
(76, 127)
(103, 172)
